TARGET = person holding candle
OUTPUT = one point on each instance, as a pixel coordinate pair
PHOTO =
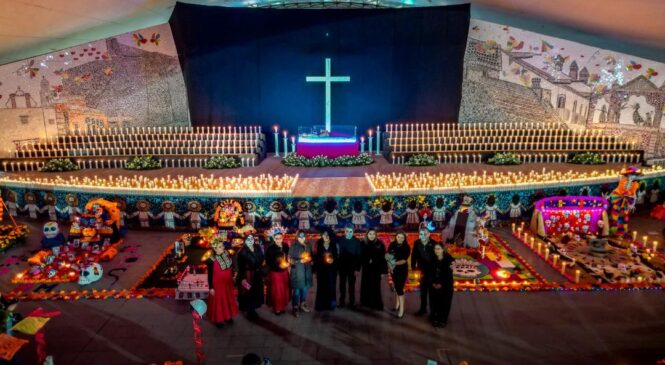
(300, 256)
(325, 265)
(421, 260)
(399, 252)
(250, 277)
(373, 267)
(277, 260)
(441, 281)
(350, 251)
(222, 306)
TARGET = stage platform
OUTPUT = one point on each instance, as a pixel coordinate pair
(328, 181)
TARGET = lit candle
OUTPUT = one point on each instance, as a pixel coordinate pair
(577, 276)
(644, 240)
(286, 147)
(293, 144)
(634, 235)
(378, 140)
(369, 146)
(276, 141)
(655, 246)
(563, 267)
(555, 258)
(362, 146)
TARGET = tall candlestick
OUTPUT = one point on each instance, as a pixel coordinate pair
(293, 144)
(378, 140)
(276, 142)
(362, 145)
(286, 147)
(369, 145)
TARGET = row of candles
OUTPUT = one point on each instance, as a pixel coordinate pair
(199, 183)
(132, 151)
(168, 130)
(428, 181)
(404, 127)
(524, 157)
(508, 137)
(511, 146)
(292, 139)
(550, 133)
(119, 163)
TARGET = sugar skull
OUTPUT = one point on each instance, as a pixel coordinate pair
(90, 273)
(566, 214)
(566, 227)
(587, 217)
(585, 228)
(51, 230)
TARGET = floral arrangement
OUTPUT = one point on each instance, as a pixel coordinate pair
(323, 161)
(505, 158)
(11, 235)
(222, 162)
(587, 158)
(421, 160)
(143, 163)
(59, 165)
(227, 214)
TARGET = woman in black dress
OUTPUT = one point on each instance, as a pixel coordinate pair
(250, 277)
(441, 281)
(373, 266)
(325, 265)
(399, 252)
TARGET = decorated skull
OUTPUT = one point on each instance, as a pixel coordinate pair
(466, 268)
(90, 273)
(51, 230)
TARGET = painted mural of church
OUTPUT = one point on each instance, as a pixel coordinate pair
(133, 79)
(519, 76)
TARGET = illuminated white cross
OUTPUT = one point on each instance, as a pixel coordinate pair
(328, 79)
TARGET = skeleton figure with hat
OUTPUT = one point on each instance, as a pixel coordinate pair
(72, 208)
(50, 207)
(276, 213)
(462, 225)
(11, 203)
(623, 200)
(169, 214)
(194, 214)
(303, 215)
(143, 212)
(250, 213)
(31, 205)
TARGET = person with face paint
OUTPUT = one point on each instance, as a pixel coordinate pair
(400, 251)
(250, 277)
(222, 305)
(374, 266)
(300, 256)
(277, 260)
(420, 260)
(325, 264)
(350, 251)
(441, 291)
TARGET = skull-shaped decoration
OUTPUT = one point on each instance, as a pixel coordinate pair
(466, 268)
(566, 227)
(587, 217)
(585, 228)
(51, 230)
(90, 273)
(51, 273)
(566, 214)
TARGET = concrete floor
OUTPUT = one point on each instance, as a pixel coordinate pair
(626, 327)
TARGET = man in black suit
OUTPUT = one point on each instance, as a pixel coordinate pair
(421, 258)
(350, 250)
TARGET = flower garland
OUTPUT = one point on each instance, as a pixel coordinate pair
(11, 235)
(421, 160)
(59, 165)
(293, 159)
(222, 162)
(143, 163)
(587, 158)
(505, 158)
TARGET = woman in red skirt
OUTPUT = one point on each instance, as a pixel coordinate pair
(279, 291)
(222, 304)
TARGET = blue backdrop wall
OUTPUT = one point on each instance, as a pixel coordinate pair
(248, 66)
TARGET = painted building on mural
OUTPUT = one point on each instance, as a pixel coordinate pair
(115, 82)
(512, 75)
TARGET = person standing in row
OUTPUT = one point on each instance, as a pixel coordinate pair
(250, 277)
(373, 267)
(222, 305)
(325, 265)
(300, 257)
(277, 260)
(421, 260)
(441, 279)
(400, 252)
(350, 251)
